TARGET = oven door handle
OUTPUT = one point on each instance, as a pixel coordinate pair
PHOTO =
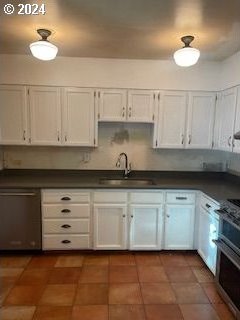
(228, 252)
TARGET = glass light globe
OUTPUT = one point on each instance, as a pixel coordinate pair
(186, 57)
(43, 50)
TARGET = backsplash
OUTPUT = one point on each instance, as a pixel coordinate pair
(114, 138)
(234, 163)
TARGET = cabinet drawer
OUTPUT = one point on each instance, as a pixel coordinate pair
(65, 242)
(66, 210)
(146, 197)
(66, 226)
(180, 197)
(110, 197)
(65, 196)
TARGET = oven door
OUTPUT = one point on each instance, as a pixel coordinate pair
(230, 233)
(228, 276)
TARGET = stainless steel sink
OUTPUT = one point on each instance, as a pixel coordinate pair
(126, 182)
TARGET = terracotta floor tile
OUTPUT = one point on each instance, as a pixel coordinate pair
(34, 277)
(198, 312)
(64, 276)
(173, 259)
(147, 259)
(194, 260)
(123, 274)
(152, 274)
(180, 274)
(211, 292)
(17, 313)
(42, 261)
(122, 259)
(163, 312)
(126, 312)
(58, 295)
(69, 261)
(5, 287)
(10, 274)
(91, 312)
(14, 261)
(189, 293)
(96, 260)
(88, 294)
(125, 293)
(94, 274)
(223, 311)
(53, 313)
(157, 293)
(24, 295)
(203, 274)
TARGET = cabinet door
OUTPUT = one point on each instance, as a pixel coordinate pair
(227, 119)
(146, 226)
(140, 106)
(236, 143)
(208, 231)
(110, 226)
(45, 115)
(78, 117)
(201, 111)
(179, 226)
(171, 120)
(112, 105)
(13, 115)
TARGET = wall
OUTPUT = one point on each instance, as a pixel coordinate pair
(90, 72)
(230, 71)
(135, 139)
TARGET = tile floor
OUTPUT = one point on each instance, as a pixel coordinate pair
(109, 286)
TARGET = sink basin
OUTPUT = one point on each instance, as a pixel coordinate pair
(126, 182)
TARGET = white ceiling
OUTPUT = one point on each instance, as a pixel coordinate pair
(131, 29)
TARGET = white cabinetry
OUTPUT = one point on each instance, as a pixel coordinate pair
(66, 219)
(236, 143)
(78, 117)
(140, 106)
(171, 120)
(227, 118)
(13, 115)
(45, 115)
(208, 231)
(200, 120)
(179, 220)
(110, 220)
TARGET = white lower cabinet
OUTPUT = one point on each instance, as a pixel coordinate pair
(146, 225)
(110, 224)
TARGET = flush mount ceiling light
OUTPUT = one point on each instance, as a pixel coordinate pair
(187, 56)
(43, 49)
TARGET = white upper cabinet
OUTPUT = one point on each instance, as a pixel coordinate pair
(112, 105)
(140, 106)
(13, 115)
(200, 122)
(78, 117)
(227, 118)
(45, 115)
(236, 143)
(171, 120)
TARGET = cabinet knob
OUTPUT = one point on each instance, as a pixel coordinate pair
(229, 141)
(189, 139)
(168, 216)
(65, 226)
(124, 216)
(66, 241)
(182, 138)
(24, 135)
(65, 198)
(131, 216)
(65, 211)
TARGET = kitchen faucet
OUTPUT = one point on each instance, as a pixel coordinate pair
(127, 168)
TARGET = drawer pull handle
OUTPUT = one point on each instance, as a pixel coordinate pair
(208, 205)
(65, 226)
(65, 198)
(65, 210)
(181, 198)
(66, 241)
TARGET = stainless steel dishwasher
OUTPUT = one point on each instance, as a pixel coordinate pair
(20, 219)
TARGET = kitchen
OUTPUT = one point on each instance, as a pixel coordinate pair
(117, 163)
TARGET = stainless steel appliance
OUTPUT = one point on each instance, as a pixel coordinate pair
(20, 219)
(228, 257)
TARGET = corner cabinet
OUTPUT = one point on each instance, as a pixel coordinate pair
(78, 117)
(45, 115)
(13, 115)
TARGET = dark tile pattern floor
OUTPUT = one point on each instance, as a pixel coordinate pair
(109, 286)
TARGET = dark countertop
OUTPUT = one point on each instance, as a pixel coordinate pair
(217, 185)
